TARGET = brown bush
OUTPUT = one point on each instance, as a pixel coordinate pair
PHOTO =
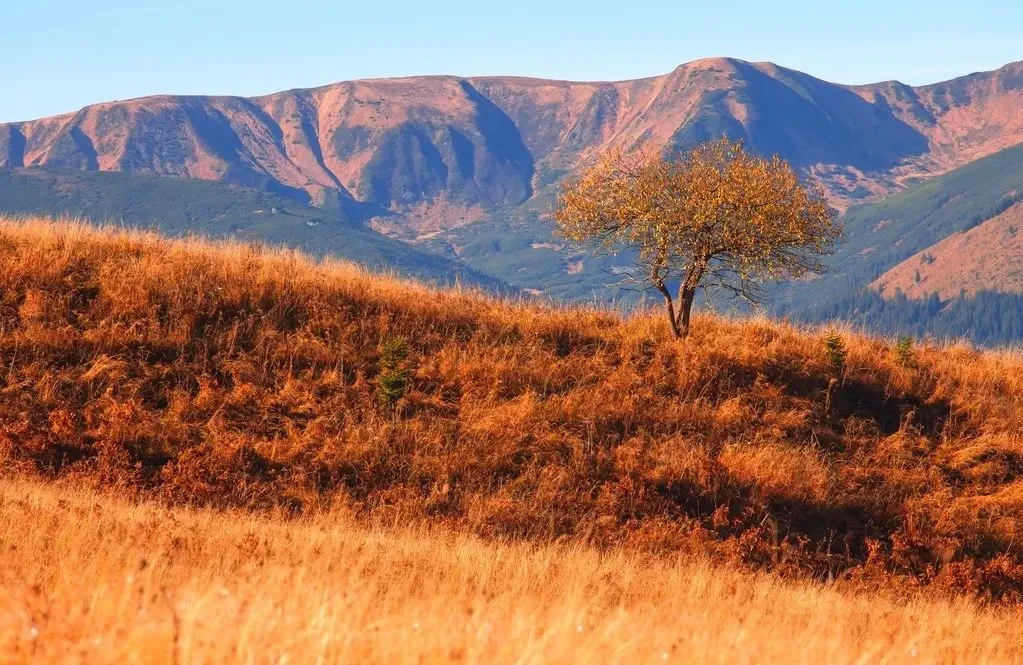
(234, 375)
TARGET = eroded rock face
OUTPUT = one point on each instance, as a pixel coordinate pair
(427, 153)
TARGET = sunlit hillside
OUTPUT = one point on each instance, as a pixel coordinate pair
(244, 378)
(87, 578)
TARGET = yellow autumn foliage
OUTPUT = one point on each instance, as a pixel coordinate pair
(714, 217)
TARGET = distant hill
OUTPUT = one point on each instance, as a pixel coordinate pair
(181, 206)
(986, 257)
(940, 258)
(880, 235)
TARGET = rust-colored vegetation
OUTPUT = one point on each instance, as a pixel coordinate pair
(244, 377)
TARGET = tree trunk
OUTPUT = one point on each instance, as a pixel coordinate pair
(686, 297)
(670, 306)
(687, 293)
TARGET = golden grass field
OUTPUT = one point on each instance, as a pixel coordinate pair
(212, 410)
(88, 578)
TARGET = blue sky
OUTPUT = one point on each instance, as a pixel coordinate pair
(60, 55)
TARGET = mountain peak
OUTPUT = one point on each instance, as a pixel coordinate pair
(717, 62)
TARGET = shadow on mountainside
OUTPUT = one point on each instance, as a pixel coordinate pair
(836, 126)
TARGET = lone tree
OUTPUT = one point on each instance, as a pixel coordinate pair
(714, 217)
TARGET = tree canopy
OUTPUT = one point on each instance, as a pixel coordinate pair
(713, 217)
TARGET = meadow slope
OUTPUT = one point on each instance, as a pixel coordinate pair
(241, 377)
(90, 578)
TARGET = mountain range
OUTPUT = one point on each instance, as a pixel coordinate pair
(465, 169)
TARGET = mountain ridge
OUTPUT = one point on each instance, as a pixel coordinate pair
(513, 77)
(415, 155)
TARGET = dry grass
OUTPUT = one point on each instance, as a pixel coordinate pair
(90, 579)
(237, 376)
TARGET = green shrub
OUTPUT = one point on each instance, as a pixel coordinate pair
(836, 351)
(394, 372)
(904, 351)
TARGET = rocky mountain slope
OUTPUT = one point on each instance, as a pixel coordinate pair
(421, 155)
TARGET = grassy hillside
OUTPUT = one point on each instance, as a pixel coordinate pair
(181, 206)
(96, 579)
(231, 376)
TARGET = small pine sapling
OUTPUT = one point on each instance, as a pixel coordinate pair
(394, 374)
(836, 350)
(904, 351)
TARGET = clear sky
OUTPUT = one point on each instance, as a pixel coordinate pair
(59, 55)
